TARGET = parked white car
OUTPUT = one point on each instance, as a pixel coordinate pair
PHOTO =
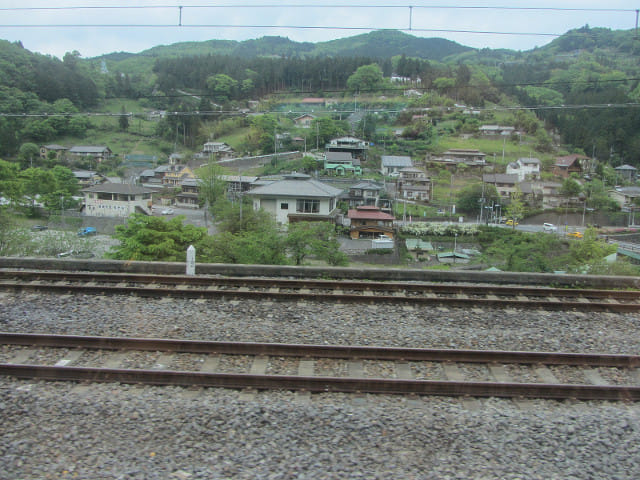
(167, 211)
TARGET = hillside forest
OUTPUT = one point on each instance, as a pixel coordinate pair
(581, 91)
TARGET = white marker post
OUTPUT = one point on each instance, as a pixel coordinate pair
(191, 260)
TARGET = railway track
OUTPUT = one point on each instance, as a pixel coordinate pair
(426, 293)
(319, 368)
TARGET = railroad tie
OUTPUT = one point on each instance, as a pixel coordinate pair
(593, 376)
(546, 375)
(23, 356)
(69, 358)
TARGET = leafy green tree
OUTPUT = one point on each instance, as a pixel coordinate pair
(147, 238)
(252, 247)
(29, 155)
(10, 185)
(515, 208)
(570, 188)
(66, 180)
(240, 217)
(517, 251)
(212, 188)
(326, 128)
(123, 120)
(37, 182)
(317, 239)
(222, 86)
(366, 78)
(469, 199)
(589, 250)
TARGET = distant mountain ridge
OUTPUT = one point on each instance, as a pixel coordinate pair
(377, 44)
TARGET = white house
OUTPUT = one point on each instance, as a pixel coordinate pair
(116, 200)
(297, 198)
(524, 168)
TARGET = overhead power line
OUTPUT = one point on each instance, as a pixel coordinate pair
(197, 113)
(408, 28)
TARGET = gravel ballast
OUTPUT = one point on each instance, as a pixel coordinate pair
(62, 430)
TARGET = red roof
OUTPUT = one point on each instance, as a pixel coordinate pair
(369, 213)
(569, 160)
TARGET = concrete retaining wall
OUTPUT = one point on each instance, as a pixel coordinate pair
(383, 274)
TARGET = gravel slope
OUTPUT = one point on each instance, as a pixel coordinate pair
(129, 432)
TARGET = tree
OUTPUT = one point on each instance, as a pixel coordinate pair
(590, 250)
(10, 185)
(253, 247)
(470, 198)
(570, 188)
(515, 209)
(222, 86)
(29, 154)
(366, 78)
(123, 120)
(65, 180)
(37, 182)
(212, 188)
(156, 239)
(314, 238)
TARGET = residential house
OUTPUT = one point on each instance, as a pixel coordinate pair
(116, 200)
(87, 178)
(545, 195)
(341, 163)
(506, 185)
(98, 153)
(189, 194)
(626, 197)
(370, 222)
(391, 164)
(356, 147)
(569, 164)
(153, 178)
(238, 184)
(525, 168)
(367, 193)
(297, 198)
(220, 150)
(495, 130)
(414, 184)
(627, 173)
(58, 150)
(467, 156)
(176, 175)
(304, 121)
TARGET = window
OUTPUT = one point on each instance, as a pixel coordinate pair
(284, 206)
(308, 206)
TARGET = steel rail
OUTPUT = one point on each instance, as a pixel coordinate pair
(323, 351)
(335, 296)
(325, 384)
(326, 284)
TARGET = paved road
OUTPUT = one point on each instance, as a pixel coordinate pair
(198, 217)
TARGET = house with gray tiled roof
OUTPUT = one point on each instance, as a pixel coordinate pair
(394, 163)
(297, 198)
(627, 172)
(98, 153)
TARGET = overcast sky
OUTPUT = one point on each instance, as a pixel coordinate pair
(54, 28)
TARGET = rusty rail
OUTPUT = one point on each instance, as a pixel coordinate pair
(323, 351)
(326, 384)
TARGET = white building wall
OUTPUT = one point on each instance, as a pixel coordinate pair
(114, 208)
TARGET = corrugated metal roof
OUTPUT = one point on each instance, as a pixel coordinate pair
(396, 161)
